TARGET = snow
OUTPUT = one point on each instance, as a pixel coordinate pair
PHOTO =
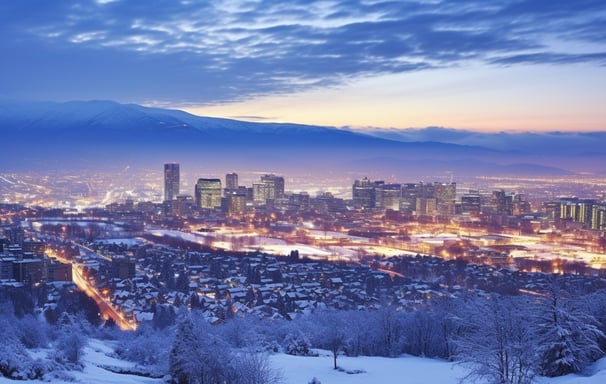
(298, 369)
(409, 369)
(129, 242)
(96, 356)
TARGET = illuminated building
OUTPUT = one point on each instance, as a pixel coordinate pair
(445, 194)
(299, 202)
(171, 181)
(410, 192)
(471, 203)
(426, 206)
(231, 181)
(275, 186)
(260, 194)
(236, 202)
(327, 203)
(208, 193)
(502, 202)
(270, 188)
(182, 205)
(576, 210)
(388, 196)
(598, 217)
(364, 193)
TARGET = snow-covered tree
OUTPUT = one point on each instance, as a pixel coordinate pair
(197, 355)
(389, 326)
(184, 358)
(569, 337)
(147, 347)
(254, 368)
(297, 344)
(69, 346)
(424, 334)
(496, 341)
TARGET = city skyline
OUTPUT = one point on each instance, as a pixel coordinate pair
(511, 66)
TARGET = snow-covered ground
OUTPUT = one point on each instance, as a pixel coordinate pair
(96, 361)
(411, 370)
(301, 370)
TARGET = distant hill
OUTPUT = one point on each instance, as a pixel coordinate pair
(100, 134)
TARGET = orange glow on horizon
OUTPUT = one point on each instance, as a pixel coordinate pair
(520, 99)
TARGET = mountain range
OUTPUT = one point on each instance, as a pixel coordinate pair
(103, 134)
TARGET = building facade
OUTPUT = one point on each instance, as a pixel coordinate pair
(208, 193)
(171, 181)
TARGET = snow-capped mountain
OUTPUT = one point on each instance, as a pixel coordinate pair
(96, 134)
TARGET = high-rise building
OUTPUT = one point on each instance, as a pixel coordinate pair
(171, 181)
(445, 193)
(208, 193)
(364, 193)
(260, 193)
(275, 186)
(426, 206)
(577, 210)
(471, 203)
(236, 202)
(410, 193)
(388, 196)
(598, 217)
(271, 187)
(231, 181)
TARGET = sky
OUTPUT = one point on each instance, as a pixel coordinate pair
(525, 65)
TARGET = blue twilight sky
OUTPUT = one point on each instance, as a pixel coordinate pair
(479, 64)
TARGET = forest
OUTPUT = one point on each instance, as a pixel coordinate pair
(500, 338)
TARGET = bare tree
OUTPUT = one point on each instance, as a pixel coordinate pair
(254, 368)
(496, 340)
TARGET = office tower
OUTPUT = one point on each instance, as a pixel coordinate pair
(410, 193)
(364, 193)
(171, 181)
(598, 217)
(275, 186)
(208, 193)
(388, 196)
(446, 194)
(577, 210)
(236, 202)
(471, 203)
(260, 193)
(231, 181)
(503, 202)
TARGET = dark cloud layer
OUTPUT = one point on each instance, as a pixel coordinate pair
(207, 51)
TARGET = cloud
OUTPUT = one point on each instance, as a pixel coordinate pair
(208, 52)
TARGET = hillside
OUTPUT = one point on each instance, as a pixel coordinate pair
(102, 134)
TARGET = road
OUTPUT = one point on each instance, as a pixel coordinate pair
(105, 306)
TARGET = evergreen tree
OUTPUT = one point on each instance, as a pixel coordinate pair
(569, 338)
(184, 355)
